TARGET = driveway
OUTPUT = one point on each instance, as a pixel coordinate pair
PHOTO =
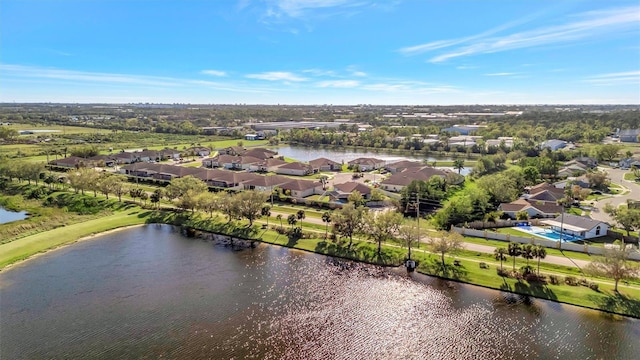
(633, 193)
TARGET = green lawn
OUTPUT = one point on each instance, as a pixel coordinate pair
(23, 248)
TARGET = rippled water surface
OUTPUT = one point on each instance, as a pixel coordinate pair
(149, 293)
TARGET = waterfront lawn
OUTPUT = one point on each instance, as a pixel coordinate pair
(27, 246)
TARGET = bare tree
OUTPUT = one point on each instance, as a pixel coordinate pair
(614, 264)
(446, 242)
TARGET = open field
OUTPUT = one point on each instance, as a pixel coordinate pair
(57, 129)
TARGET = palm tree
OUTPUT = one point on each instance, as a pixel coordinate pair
(500, 254)
(292, 220)
(279, 217)
(326, 218)
(514, 250)
(299, 216)
(266, 211)
(528, 252)
(458, 164)
(540, 253)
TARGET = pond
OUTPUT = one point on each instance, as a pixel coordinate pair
(7, 216)
(151, 292)
(305, 154)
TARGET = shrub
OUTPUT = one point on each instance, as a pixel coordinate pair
(583, 282)
(554, 280)
(502, 272)
(593, 286)
(483, 265)
(526, 270)
(571, 280)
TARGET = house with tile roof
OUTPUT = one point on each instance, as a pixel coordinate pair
(294, 168)
(342, 191)
(535, 209)
(367, 164)
(324, 164)
(396, 182)
(398, 166)
(302, 188)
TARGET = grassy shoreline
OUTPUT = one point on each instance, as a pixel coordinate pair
(468, 270)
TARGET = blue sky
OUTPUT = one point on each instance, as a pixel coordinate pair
(321, 51)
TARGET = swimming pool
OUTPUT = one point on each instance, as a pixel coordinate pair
(548, 234)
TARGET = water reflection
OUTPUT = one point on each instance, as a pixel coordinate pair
(149, 292)
(7, 216)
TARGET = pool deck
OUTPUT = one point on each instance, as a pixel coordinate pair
(541, 232)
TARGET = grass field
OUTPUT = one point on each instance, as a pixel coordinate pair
(23, 248)
(58, 129)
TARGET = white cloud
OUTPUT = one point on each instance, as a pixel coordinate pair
(502, 74)
(72, 75)
(339, 83)
(320, 72)
(24, 73)
(276, 76)
(214, 73)
(586, 25)
(612, 79)
(298, 8)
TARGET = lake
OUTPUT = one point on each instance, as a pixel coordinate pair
(7, 216)
(151, 292)
(305, 154)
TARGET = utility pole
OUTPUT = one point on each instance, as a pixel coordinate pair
(418, 215)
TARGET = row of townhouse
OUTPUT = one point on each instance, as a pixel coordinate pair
(117, 159)
(226, 179)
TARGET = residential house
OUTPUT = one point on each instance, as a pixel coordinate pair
(251, 137)
(302, 188)
(396, 182)
(232, 150)
(573, 169)
(146, 155)
(342, 191)
(125, 158)
(199, 151)
(367, 164)
(267, 165)
(398, 166)
(324, 164)
(580, 226)
(533, 208)
(265, 183)
(294, 168)
(103, 160)
(553, 145)
(230, 162)
(586, 161)
(261, 153)
(169, 154)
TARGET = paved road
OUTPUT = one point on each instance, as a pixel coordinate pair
(617, 177)
(551, 259)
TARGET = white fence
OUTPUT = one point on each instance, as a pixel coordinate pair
(534, 240)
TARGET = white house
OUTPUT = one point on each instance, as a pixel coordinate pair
(581, 226)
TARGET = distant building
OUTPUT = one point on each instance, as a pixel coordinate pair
(630, 135)
(553, 145)
(463, 129)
